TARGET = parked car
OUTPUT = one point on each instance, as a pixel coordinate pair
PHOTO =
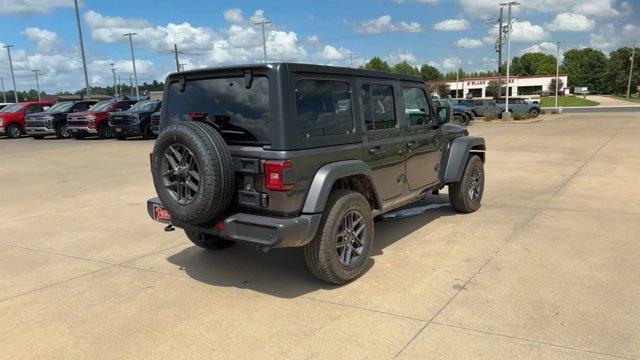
(460, 114)
(12, 116)
(518, 106)
(95, 121)
(136, 121)
(286, 155)
(155, 122)
(54, 120)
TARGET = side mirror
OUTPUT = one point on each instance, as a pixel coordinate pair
(444, 114)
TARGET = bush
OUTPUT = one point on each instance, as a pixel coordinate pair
(542, 112)
(489, 117)
(554, 111)
(518, 116)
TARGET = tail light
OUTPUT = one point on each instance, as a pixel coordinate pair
(276, 175)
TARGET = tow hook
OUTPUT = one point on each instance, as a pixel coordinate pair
(169, 228)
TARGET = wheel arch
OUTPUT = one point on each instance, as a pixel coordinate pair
(349, 175)
(457, 154)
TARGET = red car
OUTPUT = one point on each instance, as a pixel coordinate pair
(12, 116)
(96, 119)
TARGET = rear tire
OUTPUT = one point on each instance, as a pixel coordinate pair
(466, 194)
(324, 256)
(13, 131)
(209, 242)
(147, 133)
(534, 113)
(200, 186)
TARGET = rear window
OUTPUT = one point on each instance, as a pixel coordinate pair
(324, 108)
(240, 114)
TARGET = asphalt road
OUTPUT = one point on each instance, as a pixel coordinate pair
(547, 268)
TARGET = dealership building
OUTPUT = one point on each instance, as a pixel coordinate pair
(518, 85)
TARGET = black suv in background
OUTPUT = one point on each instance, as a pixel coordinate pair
(54, 119)
(135, 121)
(285, 155)
(155, 122)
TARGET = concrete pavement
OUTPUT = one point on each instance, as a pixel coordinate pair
(545, 269)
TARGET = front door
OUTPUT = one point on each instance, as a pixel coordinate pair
(422, 138)
(384, 144)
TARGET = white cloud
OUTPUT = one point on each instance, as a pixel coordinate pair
(605, 38)
(24, 7)
(314, 39)
(46, 41)
(258, 16)
(543, 47)
(451, 63)
(233, 15)
(593, 8)
(429, 1)
(524, 31)
(452, 25)
(469, 43)
(384, 24)
(399, 56)
(330, 53)
(571, 22)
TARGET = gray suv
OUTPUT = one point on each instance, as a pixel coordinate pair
(286, 155)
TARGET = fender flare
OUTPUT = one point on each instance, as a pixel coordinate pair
(457, 155)
(326, 176)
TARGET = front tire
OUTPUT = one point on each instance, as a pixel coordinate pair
(13, 131)
(466, 194)
(62, 132)
(342, 245)
(207, 241)
(534, 113)
(147, 133)
(105, 131)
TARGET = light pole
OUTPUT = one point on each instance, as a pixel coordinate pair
(133, 61)
(499, 50)
(557, 71)
(264, 37)
(351, 55)
(131, 85)
(633, 54)
(457, 48)
(115, 87)
(4, 95)
(176, 52)
(507, 114)
(35, 71)
(84, 61)
(13, 77)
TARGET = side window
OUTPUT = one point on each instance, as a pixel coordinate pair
(35, 109)
(379, 107)
(416, 107)
(488, 103)
(324, 108)
(80, 107)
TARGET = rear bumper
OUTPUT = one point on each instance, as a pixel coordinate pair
(39, 130)
(261, 230)
(81, 130)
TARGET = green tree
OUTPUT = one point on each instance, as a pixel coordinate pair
(443, 89)
(405, 68)
(534, 63)
(493, 89)
(552, 86)
(430, 73)
(617, 72)
(585, 67)
(377, 64)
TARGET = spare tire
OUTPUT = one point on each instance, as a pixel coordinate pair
(192, 172)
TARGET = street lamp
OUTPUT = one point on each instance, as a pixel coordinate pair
(507, 114)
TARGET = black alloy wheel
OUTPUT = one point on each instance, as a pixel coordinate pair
(180, 174)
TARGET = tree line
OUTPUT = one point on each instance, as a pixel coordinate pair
(32, 94)
(585, 67)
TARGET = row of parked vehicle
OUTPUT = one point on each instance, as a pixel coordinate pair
(488, 106)
(118, 118)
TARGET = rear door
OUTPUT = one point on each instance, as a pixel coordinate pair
(384, 144)
(421, 139)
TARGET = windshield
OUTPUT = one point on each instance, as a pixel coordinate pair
(101, 106)
(12, 108)
(60, 107)
(144, 106)
(241, 115)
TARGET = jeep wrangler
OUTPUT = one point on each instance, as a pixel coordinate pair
(284, 155)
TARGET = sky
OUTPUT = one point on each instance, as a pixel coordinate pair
(219, 32)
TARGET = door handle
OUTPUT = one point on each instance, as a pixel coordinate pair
(376, 150)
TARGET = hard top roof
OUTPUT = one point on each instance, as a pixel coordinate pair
(309, 68)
